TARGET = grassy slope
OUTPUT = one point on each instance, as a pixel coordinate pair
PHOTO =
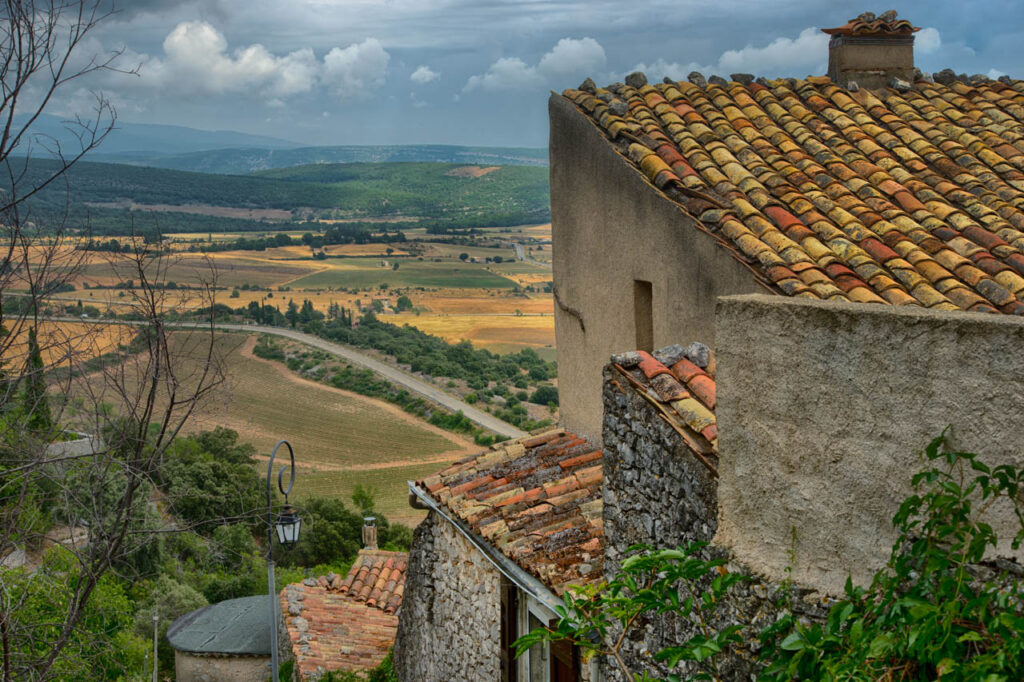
(340, 438)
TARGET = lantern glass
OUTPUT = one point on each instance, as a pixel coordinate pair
(287, 526)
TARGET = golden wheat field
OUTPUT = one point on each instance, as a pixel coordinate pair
(64, 344)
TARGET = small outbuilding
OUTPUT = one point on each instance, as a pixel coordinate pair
(224, 642)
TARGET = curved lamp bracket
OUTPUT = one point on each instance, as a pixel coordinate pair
(290, 467)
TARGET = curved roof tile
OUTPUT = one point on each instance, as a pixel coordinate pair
(905, 198)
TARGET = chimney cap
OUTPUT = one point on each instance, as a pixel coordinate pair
(867, 24)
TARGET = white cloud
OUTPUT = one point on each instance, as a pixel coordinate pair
(661, 68)
(424, 74)
(353, 70)
(927, 40)
(508, 73)
(568, 57)
(808, 51)
(196, 59)
(571, 57)
(800, 56)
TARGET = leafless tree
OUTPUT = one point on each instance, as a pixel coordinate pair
(134, 405)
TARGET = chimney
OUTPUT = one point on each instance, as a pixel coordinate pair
(369, 532)
(871, 51)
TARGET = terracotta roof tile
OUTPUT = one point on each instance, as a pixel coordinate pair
(537, 500)
(693, 417)
(906, 198)
(348, 623)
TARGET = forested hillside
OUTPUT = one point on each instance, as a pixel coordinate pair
(101, 195)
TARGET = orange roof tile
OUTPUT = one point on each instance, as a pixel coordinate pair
(905, 198)
(688, 402)
(349, 623)
(867, 24)
(537, 500)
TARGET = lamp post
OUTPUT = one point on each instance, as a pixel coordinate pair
(287, 526)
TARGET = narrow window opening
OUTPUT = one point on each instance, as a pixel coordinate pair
(643, 315)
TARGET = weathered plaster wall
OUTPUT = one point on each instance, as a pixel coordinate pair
(194, 668)
(657, 493)
(610, 227)
(823, 410)
(449, 626)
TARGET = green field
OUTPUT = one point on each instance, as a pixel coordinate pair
(367, 272)
(393, 493)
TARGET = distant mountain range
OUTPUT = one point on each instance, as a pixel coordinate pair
(241, 161)
(135, 140)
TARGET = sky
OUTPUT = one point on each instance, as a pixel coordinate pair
(472, 72)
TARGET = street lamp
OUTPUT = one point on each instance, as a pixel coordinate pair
(287, 526)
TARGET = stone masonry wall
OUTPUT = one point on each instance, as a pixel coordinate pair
(449, 626)
(195, 668)
(657, 493)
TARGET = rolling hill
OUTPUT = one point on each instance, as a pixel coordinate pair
(257, 158)
(110, 196)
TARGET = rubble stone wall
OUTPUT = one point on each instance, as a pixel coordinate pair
(657, 493)
(212, 668)
(449, 626)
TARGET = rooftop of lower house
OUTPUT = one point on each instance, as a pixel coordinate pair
(911, 194)
(536, 500)
(680, 384)
(235, 627)
(346, 623)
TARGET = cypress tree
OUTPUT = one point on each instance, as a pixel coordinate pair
(33, 395)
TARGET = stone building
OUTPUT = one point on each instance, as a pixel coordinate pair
(224, 642)
(345, 624)
(758, 217)
(508, 531)
(666, 196)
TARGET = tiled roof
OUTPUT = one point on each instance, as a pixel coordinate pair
(867, 24)
(377, 578)
(537, 500)
(679, 382)
(911, 197)
(349, 623)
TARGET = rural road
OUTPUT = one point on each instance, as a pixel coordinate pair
(521, 255)
(392, 374)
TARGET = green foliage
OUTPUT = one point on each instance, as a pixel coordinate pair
(168, 599)
(34, 402)
(385, 672)
(101, 647)
(649, 582)
(210, 477)
(926, 615)
(403, 303)
(330, 531)
(363, 497)
(544, 395)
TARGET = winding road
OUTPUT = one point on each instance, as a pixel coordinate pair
(521, 255)
(392, 374)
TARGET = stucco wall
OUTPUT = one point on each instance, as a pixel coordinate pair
(449, 626)
(823, 410)
(193, 668)
(610, 227)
